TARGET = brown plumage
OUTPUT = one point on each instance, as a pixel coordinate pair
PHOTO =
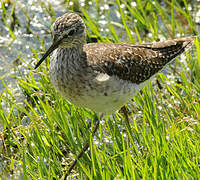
(135, 63)
(103, 76)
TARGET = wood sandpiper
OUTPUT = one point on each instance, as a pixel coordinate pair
(103, 76)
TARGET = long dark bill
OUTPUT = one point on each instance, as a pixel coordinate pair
(48, 52)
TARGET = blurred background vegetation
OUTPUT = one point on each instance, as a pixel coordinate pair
(41, 133)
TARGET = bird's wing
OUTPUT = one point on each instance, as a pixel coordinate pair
(135, 63)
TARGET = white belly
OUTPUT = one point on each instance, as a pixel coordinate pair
(102, 93)
(85, 87)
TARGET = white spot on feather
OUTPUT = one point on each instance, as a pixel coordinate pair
(102, 77)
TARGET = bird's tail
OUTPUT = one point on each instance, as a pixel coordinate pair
(171, 48)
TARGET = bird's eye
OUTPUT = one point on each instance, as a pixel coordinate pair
(71, 32)
(65, 36)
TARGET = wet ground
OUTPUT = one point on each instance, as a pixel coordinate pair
(25, 29)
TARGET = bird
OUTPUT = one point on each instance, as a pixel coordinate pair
(103, 77)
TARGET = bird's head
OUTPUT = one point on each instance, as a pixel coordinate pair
(68, 31)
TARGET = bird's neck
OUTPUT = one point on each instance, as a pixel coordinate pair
(75, 50)
(70, 56)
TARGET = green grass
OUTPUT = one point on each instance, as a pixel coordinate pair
(163, 140)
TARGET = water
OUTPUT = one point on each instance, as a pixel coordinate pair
(32, 25)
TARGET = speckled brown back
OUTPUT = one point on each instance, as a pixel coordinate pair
(135, 63)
